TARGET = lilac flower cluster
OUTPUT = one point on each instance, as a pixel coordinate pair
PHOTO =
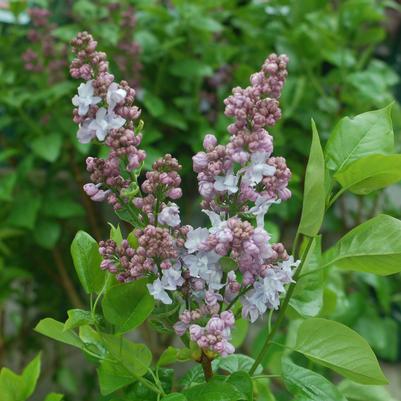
(105, 110)
(45, 55)
(127, 58)
(206, 270)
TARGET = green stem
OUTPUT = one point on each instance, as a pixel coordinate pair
(335, 197)
(283, 309)
(244, 291)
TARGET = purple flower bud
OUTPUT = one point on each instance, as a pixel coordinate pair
(209, 142)
(195, 332)
(91, 189)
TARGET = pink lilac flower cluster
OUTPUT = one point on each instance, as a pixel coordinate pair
(46, 55)
(127, 58)
(206, 270)
(105, 110)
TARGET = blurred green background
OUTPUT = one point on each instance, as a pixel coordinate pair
(183, 58)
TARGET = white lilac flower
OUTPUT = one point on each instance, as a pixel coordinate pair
(219, 227)
(115, 95)
(287, 269)
(195, 238)
(196, 264)
(265, 293)
(84, 134)
(170, 215)
(257, 169)
(204, 266)
(105, 121)
(260, 209)
(158, 292)
(228, 182)
(85, 98)
(172, 279)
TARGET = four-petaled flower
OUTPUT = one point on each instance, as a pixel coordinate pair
(85, 98)
(257, 169)
(228, 182)
(115, 95)
(104, 122)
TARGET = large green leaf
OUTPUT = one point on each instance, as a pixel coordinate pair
(236, 362)
(370, 173)
(360, 392)
(55, 330)
(307, 298)
(243, 382)
(337, 347)
(216, 391)
(365, 134)
(86, 257)
(136, 358)
(374, 247)
(314, 199)
(128, 305)
(113, 376)
(303, 382)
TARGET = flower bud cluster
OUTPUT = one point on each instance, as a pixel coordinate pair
(45, 55)
(216, 335)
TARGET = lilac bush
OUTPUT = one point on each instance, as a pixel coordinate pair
(198, 283)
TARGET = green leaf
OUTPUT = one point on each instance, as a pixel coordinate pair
(337, 347)
(25, 211)
(305, 383)
(136, 358)
(172, 355)
(370, 173)
(360, 392)
(115, 234)
(62, 208)
(54, 397)
(55, 330)
(174, 397)
(86, 258)
(30, 376)
(228, 264)
(77, 318)
(47, 147)
(242, 381)
(11, 386)
(314, 199)
(235, 362)
(112, 377)
(153, 104)
(374, 247)
(7, 184)
(128, 305)
(47, 233)
(307, 298)
(365, 134)
(216, 391)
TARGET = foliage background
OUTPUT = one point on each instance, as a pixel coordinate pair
(344, 59)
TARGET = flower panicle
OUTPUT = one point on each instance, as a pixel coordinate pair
(206, 270)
